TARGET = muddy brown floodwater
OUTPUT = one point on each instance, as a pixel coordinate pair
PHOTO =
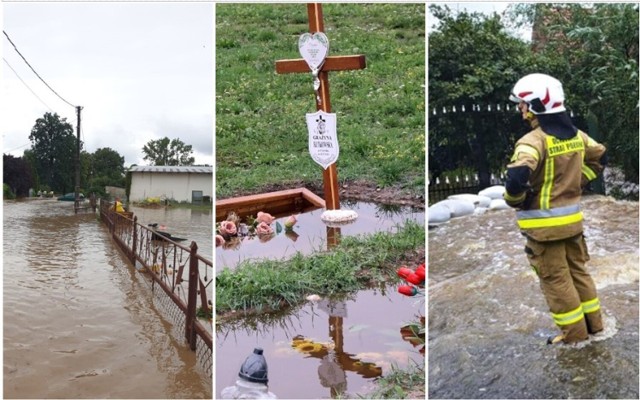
(79, 321)
(488, 320)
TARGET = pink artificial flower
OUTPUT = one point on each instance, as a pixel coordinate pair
(228, 228)
(290, 222)
(265, 217)
(219, 240)
(263, 229)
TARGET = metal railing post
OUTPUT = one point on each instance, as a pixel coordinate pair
(190, 315)
(134, 240)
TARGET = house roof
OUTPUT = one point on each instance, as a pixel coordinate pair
(171, 169)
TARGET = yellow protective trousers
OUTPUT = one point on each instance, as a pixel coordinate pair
(567, 286)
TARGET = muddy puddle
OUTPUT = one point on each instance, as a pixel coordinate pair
(310, 233)
(79, 321)
(488, 320)
(325, 348)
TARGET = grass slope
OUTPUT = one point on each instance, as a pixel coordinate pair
(353, 265)
(261, 134)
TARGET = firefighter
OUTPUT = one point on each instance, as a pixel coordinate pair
(549, 167)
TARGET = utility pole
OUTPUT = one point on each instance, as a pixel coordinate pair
(76, 203)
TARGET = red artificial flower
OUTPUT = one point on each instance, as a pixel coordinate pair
(403, 272)
(420, 271)
(408, 290)
(415, 279)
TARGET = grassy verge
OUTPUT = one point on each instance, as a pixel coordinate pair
(353, 265)
(408, 383)
(261, 134)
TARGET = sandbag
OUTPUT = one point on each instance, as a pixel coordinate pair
(458, 207)
(438, 214)
(499, 204)
(477, 200)
(494, 192)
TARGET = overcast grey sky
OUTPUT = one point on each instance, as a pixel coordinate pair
(142, 71)
(483, 8)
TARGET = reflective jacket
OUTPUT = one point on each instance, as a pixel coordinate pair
(545, 180)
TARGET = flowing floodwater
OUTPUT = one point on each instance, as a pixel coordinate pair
(310, 233)
(325, 348)
(79, 321)
(488, 319)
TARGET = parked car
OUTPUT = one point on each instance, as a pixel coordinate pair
(71, 197)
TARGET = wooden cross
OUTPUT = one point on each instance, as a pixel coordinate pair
(332, 63)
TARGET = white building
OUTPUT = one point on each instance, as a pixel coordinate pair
(179, 184)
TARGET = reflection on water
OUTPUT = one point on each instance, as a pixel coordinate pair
(488, 320)
(196, 225)
(79, 322)
(325, 348)
(311, 234)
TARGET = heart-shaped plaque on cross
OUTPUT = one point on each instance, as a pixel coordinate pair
(314, 49)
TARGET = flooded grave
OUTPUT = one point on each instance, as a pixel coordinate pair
(79, 320)
(279, 204)
(323, 348)
(326, 348)
(488, 320)
(309, 234)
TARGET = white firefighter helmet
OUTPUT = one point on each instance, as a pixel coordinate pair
(543, 94)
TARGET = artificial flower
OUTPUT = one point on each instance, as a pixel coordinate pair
(403, 272)
(420, 271)
(290, 222)
(219, 240)
(263, 228)
(264, 217)
(408, 290)
(227, 228)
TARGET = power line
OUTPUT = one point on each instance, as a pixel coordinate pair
(34, 71)
(19, 147)
(27, 86)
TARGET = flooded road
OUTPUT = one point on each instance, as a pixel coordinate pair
(488, 319)
(79, 322)
(325, 348)
(310, 233)
(192, 224)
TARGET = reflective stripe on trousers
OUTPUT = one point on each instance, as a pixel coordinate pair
(590, 306)
(576, 315)
(569, 318)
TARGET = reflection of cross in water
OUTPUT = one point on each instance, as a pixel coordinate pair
(335, 363)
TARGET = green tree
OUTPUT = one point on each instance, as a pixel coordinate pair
(106, 169)
(53, 146)
(108, 163)
(168, 152)
(473, 61)
(597, 46)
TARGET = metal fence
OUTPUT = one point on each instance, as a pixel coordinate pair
(183, 275)
(449, 184)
